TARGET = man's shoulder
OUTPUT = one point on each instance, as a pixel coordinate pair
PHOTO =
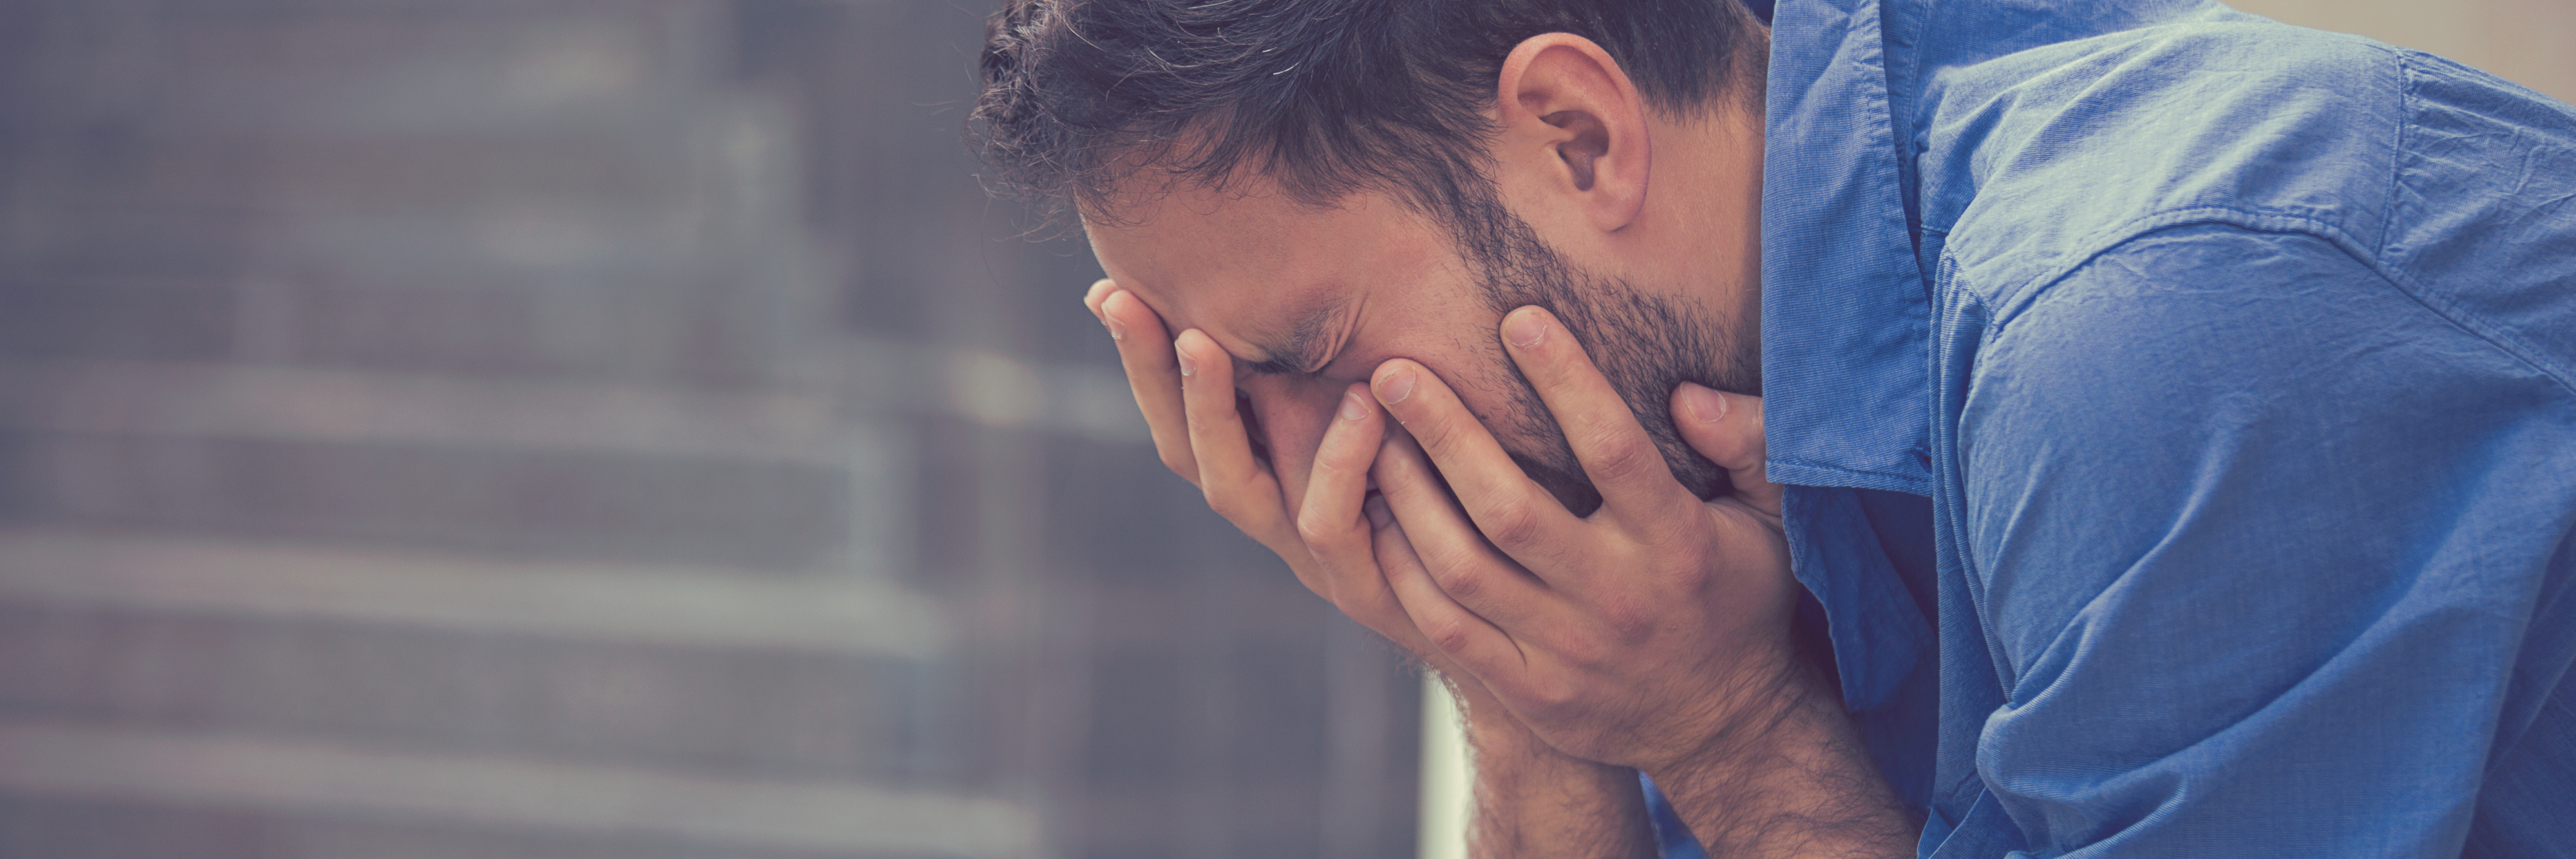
(2454, 187)
(2186, 85)
(2033, 161)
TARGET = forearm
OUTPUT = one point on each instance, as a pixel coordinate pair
(1534, 802)
(1790, 778)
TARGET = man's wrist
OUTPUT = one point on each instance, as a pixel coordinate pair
(1532, 800)
(1785, 774)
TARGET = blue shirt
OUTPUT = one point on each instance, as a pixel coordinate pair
(2179, 413)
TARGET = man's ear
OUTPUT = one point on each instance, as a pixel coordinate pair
(1573, 125)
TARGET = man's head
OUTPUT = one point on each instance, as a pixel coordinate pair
(1320, 185)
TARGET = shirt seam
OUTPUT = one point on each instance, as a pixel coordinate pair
(2294, 223)
(2283, 220)
(2406, 283)
(2468, 323)
(1911, 484)
(2408, 104)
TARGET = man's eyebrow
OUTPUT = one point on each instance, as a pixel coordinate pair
(1303, 349)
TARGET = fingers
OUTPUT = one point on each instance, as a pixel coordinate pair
(1514, 512)
(1354, 538)
(1612, 445)
(1451, 633)
(1460, 561)
(1099, 292)
(1146, 352)
(1237, 484)
(1727, 428)
(1331, 521)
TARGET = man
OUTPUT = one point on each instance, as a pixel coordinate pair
(2172, 413)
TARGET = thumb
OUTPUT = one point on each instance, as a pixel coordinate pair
(1727, 428)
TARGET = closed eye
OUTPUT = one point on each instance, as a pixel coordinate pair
(1275, 367)
(1309, 350)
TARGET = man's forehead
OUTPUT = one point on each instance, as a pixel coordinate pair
(1276, 322)
(1196, 227)
(1254, 267)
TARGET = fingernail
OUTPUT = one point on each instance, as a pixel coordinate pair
(1378, 515)
(1394, 386)
(1524, 328)
(1706, 405)
(1353, 407)
(1117, 330)
(1188, 367)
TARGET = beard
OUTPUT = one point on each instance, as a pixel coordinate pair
(1645, 344)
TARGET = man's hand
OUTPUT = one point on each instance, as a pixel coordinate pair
(1185, 387)
(1653, 633)
(1636, 636)
(1532, 800)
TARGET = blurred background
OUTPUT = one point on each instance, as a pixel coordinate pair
(519, 428)
(625, 428)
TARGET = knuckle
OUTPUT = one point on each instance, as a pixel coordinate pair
(1582, 651)
(1430, 432)
(1552, 698)
(1313, 528)
(1511, 524)
(1327, 471)
(1458, 577)
(1629, 620)
(1225, 504)
(1449, 636)
(1619, 456)
(1692, 577)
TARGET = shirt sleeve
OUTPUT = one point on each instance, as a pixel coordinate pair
(2270, 556)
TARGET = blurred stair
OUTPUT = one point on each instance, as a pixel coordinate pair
(420, 436)
(514, 793)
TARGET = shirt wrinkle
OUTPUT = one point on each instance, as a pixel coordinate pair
(2224, 367)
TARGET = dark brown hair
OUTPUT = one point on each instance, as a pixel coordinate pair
(1326, 97)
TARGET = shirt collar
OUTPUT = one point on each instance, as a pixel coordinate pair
(1845, 322)
(1845, 294)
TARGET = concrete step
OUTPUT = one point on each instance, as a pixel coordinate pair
(698, 670)
(605, 174)
(539, 800)
(674, 330)
(301, 68)
(491, 237)
(533, 504)
(734, 712)
(62, 827)
(502, 468)
(289, 402)
(702, 175)
(852, 616)
(769, 479)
